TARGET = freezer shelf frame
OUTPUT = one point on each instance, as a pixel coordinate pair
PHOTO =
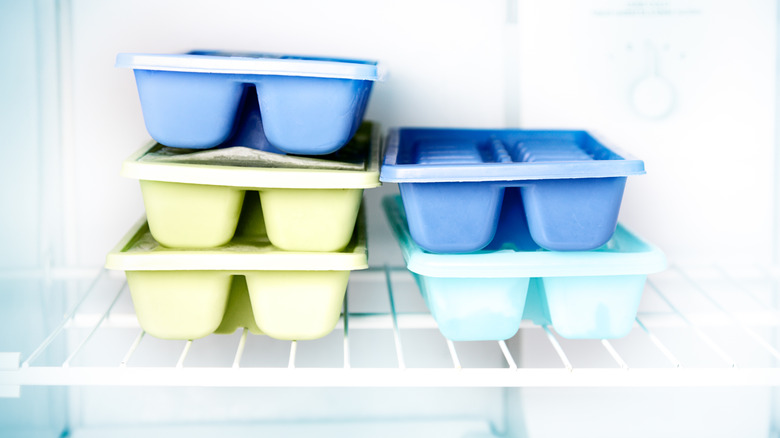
(726, 369)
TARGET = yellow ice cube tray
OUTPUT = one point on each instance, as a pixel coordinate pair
(193, 199)
(191, 293)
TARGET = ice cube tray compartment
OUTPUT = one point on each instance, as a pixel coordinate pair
(193, 304)
(202, 216)
(307, 105)
(452, 182)
(189, 294)
(484, 295)
(196, 203)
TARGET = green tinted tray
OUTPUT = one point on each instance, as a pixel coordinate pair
(193, 199)
(189, 294)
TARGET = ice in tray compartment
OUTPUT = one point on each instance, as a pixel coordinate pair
(452, 182)
(189, 294)
(307, 105)
(484, 295)
(194, 199)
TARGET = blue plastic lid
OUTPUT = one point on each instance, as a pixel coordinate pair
(623, 254)
(451, 155)
(253, 63)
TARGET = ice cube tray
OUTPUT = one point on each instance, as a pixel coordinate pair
(452, 182)
(308, 105)
(485, 294)
(189, 294)
(193, 199)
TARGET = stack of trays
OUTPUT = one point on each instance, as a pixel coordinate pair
(495, 224)
(238, 233)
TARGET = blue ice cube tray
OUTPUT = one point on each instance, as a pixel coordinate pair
(485, 294)
(452, 182)
(309, 106)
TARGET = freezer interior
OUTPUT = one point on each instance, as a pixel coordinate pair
(687, 86)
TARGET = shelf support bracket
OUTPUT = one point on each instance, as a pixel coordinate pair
(9, 363)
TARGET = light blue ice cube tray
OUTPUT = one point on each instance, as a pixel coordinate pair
(452, 182)
(484, 295)
(309, 106)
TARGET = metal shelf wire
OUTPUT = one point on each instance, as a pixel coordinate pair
(701, 326)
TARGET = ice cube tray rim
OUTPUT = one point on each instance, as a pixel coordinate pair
(644, 258)
(393, 171)
(253, 64)
(231, 258)
(256, 177)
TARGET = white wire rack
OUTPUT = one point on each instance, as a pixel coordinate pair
(704, 326)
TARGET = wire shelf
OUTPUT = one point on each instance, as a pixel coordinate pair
(697, 326)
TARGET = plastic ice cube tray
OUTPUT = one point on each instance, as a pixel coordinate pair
(193, 199)
(485, 294)
(308, 105)
(452, 182)
(189, 294)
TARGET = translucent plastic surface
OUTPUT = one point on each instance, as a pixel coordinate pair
(188, 294)
(194, 199)
(485, 294)
(306, 105)
(453, 182)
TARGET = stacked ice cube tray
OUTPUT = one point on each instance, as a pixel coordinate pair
(238, 233)
(308, 105)
(500, 225)
(191, 293)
